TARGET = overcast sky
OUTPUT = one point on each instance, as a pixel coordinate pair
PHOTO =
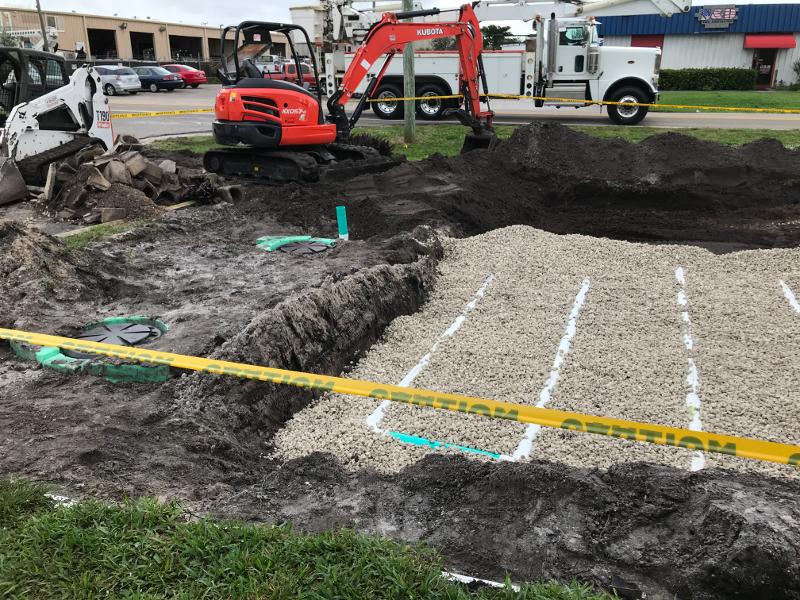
(216, 12)
(213, 12)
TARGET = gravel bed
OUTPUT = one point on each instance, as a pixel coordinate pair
(626, 358)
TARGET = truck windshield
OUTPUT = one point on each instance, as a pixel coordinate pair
(571, 36)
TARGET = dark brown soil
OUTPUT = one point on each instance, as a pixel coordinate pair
(203, 439)
(643, 531)
(669, 188)
(135, 202)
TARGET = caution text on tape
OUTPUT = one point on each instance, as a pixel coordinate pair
(618, 428)
(161, 113)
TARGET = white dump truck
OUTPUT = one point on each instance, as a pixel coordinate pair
(563, 63)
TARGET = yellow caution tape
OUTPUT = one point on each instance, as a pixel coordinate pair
(161, 113)
(618, 428)
(415, 98)
(599, 102)
(195, 111)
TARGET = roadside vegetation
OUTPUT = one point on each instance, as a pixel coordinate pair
(98, 232)
(772, 99)
(147, 549)
(447, 138)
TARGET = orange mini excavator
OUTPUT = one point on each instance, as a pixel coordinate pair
(279, 124)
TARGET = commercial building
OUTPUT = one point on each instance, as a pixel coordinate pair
(125, 39)
(761, 36)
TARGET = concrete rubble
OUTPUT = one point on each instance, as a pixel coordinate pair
(70, 193)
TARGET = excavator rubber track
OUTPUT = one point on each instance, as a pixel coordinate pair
(34, 168)
(334, 161)
(278, 166)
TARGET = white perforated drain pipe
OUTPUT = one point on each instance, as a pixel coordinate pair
(525, 446)
(790, 297)
(693, 402)
(374, 420)
(468, 580)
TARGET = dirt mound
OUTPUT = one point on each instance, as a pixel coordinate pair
(321, 331)
(134, 202)
(668, 188)
(38, 273)
(643, 530)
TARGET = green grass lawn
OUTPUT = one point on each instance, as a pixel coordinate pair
(773, 99)
(149, 550)
(446, 139)
(98, 232)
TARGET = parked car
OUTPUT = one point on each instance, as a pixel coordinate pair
(118, 80)
(157, 78)
(191, 76)
(288, 72)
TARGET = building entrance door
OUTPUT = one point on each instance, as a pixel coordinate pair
(764, 64)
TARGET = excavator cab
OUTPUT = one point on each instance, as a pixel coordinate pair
(267, 110)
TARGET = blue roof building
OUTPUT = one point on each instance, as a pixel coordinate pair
(761, 36)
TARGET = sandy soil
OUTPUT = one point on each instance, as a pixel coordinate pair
(573, 322)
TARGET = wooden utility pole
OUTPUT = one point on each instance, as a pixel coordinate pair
(409, 88)
(45, 44)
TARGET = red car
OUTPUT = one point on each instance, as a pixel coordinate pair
(288, 72)
(191, 76)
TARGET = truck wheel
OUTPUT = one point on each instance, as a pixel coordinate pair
(627, 115)
(431, 110)
(109, 90)
(385, 108)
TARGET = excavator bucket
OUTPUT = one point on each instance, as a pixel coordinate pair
(12, 185)
(475, 140)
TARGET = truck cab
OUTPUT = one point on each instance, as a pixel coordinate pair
(572, 65)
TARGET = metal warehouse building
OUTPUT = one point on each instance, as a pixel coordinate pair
(123, 38)
(760, 36)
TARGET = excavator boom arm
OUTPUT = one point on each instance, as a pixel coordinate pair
(389, 36)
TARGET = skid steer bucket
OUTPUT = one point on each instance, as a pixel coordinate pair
(12, 185)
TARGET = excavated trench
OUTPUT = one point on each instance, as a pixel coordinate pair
(637, 529)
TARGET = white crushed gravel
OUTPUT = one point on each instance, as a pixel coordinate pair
(627, 356)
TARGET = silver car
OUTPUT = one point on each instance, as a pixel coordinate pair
(116, 80)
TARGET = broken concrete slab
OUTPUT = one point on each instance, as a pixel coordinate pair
(145, 186)
(124, 143)
(112, 214)
(102, 161)
(50, 181)
(76, 197)
(168, 166)
(91, 177)
(135, 163)
(91, 218)
(153, 173)
(88, 154)
(116, 172)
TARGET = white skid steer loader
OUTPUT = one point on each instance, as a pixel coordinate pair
(51, 126)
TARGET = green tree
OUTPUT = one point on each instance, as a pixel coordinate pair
(494, 36)
(6, 39)
(448, 43)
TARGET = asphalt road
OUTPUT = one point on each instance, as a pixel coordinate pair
(511, 112)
